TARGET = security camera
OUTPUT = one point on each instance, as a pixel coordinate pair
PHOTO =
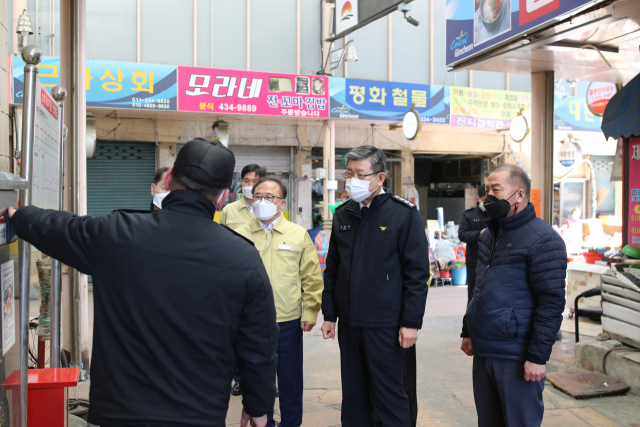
(411, 20)
(405, 8)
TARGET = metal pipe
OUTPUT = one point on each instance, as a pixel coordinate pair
(75, 38)
(77, 122)
(332, 162)
(59, 94)
(32, 57)
(548, 148)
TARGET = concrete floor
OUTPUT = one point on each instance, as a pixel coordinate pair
(445, 395)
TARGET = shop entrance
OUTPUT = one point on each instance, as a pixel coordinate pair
(448, 182)
(119, 176)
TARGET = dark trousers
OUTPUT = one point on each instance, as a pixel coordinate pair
(409, 379)
(471, 281)
(236, 373)
(503, 397)
(372, 363)
(410, 383)
(290, 383)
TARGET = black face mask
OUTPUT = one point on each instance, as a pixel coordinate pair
(498, 208)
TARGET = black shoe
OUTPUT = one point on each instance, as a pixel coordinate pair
(236, 390)
(277, 393)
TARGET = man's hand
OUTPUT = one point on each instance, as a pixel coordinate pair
(255, 422)
(483, 230)
(466, 346)
(11, 211)
(329, 330)
(407, 337)
(533, 372)
(306, 325)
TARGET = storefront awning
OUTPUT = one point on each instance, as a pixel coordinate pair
(622, 117)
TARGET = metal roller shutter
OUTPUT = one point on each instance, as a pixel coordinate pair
(119, 176)
(603, 166)
(275, 159)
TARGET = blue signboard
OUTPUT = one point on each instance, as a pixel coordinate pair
(387, 101)
(474, 26)
(572, 114)
(111, 84)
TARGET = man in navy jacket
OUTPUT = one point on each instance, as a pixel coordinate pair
(376, 285)
(516, 310)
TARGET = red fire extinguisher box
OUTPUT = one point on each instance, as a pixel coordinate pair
(47, 403)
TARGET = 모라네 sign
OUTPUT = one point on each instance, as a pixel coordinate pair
(252, 92)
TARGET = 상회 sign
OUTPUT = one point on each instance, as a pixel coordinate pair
(111, 84)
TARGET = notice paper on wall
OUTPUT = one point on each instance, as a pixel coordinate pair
(8, 307)
(46, 151)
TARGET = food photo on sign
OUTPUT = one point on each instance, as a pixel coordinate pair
(492, 18)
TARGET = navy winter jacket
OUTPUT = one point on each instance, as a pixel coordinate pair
(517, 305)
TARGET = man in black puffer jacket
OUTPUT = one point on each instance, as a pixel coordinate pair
(516, 310)
(471, 225)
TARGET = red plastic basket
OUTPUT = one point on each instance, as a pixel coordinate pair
(592, 258)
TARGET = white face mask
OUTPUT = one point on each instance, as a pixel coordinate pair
(220, 198)
(158, 198)
(264, 210)
(358, 189)
(247, 192)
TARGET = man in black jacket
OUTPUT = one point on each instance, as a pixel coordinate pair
(176, 297)
(516, 310)
(376, 283)
(471, 225)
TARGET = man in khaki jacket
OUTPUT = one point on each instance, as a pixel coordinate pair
(292, 264)
(238, 213)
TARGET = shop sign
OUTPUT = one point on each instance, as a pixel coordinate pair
(485, 108)
(598, 96)
(473, 27)
(111, 84)
(387, 101)
(209, 90)
(572, 113)
(634, 192)
(569, 153)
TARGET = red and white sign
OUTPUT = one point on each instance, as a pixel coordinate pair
(598, 96)
(534, 9)
(49, 103)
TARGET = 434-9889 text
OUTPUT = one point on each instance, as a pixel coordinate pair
(238, 107)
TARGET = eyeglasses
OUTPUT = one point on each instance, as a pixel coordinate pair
(349, 175)
(267, 198)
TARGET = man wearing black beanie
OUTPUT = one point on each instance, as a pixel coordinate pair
(176, 297)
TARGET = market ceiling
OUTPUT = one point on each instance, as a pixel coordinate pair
(570, 48)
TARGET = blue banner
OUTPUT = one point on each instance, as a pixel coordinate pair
(475, 26)
(387, 101)
(572, 113)
(111, 84)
